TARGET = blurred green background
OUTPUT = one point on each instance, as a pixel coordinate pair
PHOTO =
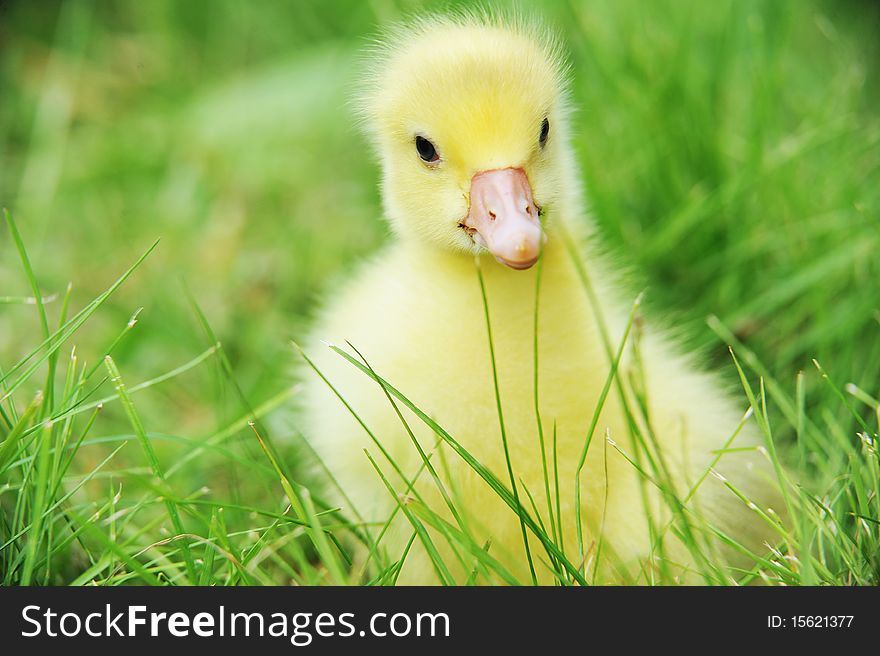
(731, 153)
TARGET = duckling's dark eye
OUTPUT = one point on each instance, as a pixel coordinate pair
(545, 130)
(426, 150)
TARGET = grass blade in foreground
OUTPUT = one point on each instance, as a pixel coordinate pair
(141, 433)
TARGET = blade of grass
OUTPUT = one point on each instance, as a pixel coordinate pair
(440, 567)
(594, 421)
(41, 488)
(302, 504)
(153, 461)
(513, 485)
(54, 342)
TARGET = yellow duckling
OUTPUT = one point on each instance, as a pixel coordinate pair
(470, 119)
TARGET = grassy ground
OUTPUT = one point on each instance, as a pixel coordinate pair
(732, 155)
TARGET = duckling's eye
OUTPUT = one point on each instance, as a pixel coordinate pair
(545, 130)
(426, 150)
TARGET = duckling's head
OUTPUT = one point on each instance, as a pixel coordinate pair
(469, 118)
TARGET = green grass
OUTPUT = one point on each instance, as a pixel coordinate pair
(731, 152)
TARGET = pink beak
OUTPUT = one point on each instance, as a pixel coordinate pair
(503, 218)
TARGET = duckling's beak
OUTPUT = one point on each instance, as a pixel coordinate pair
(503, 218)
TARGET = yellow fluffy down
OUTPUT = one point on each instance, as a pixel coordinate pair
(480, 88)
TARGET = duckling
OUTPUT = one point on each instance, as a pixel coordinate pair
(469, 116)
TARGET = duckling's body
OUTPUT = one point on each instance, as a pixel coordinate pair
(415, 313)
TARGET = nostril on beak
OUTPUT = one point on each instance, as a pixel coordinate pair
(492, 215)
(528, 209)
